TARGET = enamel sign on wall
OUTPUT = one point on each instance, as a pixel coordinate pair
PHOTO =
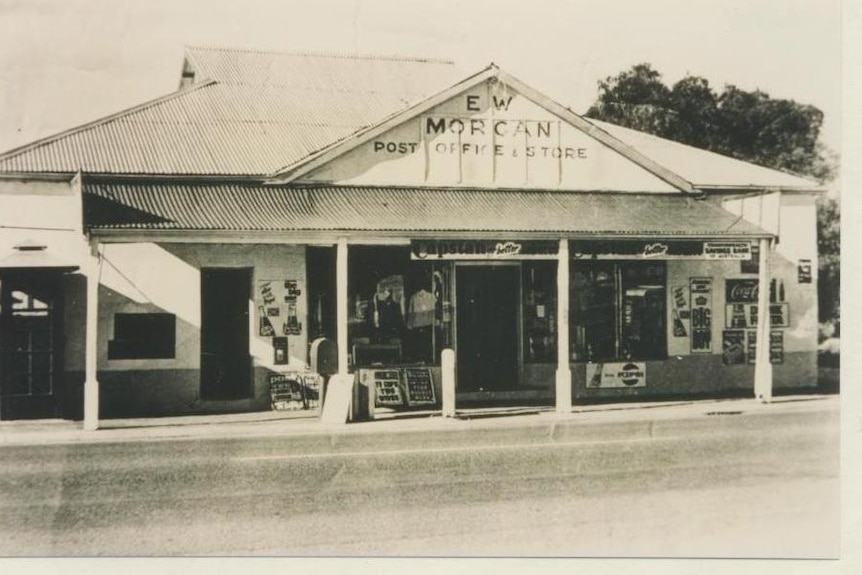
(626, 374)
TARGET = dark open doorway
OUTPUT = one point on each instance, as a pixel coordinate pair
(487, 323)
(31, 346)
(225, 360)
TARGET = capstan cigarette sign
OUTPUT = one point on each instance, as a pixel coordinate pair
(482, 249)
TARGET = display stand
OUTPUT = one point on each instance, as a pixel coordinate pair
(294, 391)
(397, 388)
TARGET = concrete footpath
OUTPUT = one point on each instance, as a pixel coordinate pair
(275, 423)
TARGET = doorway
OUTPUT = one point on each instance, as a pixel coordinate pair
(225, 359)
(31, 347)
(487, 298)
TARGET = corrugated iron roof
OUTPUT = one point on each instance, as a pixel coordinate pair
(357, 73)
(701, 167)
(253, 113)
(248, 207)
(248, 119)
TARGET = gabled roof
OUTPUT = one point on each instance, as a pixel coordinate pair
(240, 123)
(255, 114)
(261, 208)
(409, 78)
(494, 74)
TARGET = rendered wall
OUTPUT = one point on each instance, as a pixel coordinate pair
(166, 277)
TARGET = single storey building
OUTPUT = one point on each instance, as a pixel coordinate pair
(189, 254)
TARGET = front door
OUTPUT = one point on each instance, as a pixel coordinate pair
(487, 323)
(225, 359)
(31, 347)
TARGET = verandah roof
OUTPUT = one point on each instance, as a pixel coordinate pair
(259, 208)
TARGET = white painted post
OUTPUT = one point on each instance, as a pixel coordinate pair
(91, 382)
(762, 365)
(447, 362)
(341, 304)
(563, 391)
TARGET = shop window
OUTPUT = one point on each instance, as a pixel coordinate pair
(618, 311)
(540, 308)
(322, 318)
(398, 311)
(143, 336)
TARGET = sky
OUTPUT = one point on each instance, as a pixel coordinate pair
(66, 62)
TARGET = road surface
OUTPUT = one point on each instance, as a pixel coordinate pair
(723, 485)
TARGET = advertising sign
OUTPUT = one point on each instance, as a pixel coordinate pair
(804, 272)
(727, 250)
(744, 315)
(681, 313)
(701, 314)
(661, 249)
(751, 266)
(741, 290)
(419, 385)
(776, 346)
(627, 374)
(277, 307)
(294, 390)
(733, 347)
(483, 249)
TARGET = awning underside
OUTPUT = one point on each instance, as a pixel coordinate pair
(241, 207)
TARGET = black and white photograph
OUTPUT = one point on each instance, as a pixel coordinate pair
(431, 280)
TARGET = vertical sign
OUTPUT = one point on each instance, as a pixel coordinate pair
(681, 313)
(701, 314)
(804, 272)
(751, 266)
(776, 347)
(752, 346)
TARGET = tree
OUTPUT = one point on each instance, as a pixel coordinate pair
(829, 258)
(751, 126)
(636, 99)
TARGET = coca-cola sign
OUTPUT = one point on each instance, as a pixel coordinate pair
(741, 291)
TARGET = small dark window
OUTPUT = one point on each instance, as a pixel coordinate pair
(143, 336)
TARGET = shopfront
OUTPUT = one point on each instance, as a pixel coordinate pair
(658, 317)
(562, 260)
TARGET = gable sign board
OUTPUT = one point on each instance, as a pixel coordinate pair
(489, 134)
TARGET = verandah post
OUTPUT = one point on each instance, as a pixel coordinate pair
(563, 390)
(762, 364)
(91, 382)
(341, 304)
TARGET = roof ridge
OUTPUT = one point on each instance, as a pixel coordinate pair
(323, 54)
(103, 120)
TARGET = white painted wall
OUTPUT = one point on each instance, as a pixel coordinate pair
(166, 277)
(47, 212)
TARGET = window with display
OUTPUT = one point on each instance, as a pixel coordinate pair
(618, 311)
(540, 308)
(398, 309)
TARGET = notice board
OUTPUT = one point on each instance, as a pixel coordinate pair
(419, 384)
